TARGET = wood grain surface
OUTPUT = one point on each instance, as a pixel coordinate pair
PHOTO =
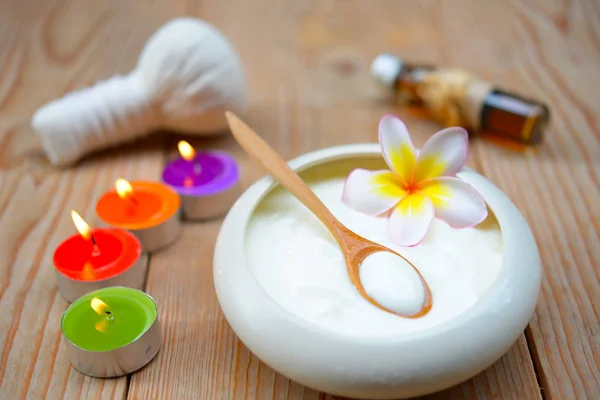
(307, 64)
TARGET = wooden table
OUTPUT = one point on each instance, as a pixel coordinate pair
(307, 64)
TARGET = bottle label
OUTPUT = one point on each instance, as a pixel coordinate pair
(511, 116)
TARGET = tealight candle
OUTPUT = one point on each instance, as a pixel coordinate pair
(208, 182)
(97, 258)
(148, 209)
(111, 332)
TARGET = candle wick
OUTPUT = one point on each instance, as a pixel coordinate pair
(109, 315)
(95, 248)
(133, 204)
(197, 169)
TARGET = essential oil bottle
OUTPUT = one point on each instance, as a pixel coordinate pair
(454, 96)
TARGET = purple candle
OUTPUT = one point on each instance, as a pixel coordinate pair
(207, 182)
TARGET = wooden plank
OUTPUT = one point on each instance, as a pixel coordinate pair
(47, 49)
(203, 358)
(306, 64)
(32, 223)
(199, 349)
(548, 49)
(310, 88)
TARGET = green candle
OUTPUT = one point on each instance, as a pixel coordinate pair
(108, 318)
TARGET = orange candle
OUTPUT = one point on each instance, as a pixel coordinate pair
(97, 258)
(148, 209)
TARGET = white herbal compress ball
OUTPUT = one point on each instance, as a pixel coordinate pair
(187, 75)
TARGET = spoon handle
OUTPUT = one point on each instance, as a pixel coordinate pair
(264, 155)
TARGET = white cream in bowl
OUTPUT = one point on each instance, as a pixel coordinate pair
(300, 265)
(283, 288)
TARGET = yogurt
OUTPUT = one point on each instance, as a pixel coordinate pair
(300, 265)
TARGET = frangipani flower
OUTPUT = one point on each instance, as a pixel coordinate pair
(421, 184)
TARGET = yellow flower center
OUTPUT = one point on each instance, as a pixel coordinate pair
(411, 187)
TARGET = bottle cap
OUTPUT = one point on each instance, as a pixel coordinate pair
(386, 68)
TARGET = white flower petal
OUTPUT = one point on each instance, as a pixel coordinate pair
(456, 202)
(372, 192)
(410, 220)
(397, 148)
(444, 154)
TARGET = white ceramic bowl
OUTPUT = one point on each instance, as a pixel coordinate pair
(388, 367)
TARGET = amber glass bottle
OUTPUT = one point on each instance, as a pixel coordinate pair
(507, 114)
(484, 108)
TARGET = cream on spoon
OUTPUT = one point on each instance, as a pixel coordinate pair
(392, 282)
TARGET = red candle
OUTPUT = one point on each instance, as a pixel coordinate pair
(98, 258)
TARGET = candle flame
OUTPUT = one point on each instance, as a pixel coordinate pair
(124, 188)
(98, 305)
(82, 227)
(101, 325)
(87, 272)
(186, 150)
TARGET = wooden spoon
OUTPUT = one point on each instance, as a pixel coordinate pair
(354, 247)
